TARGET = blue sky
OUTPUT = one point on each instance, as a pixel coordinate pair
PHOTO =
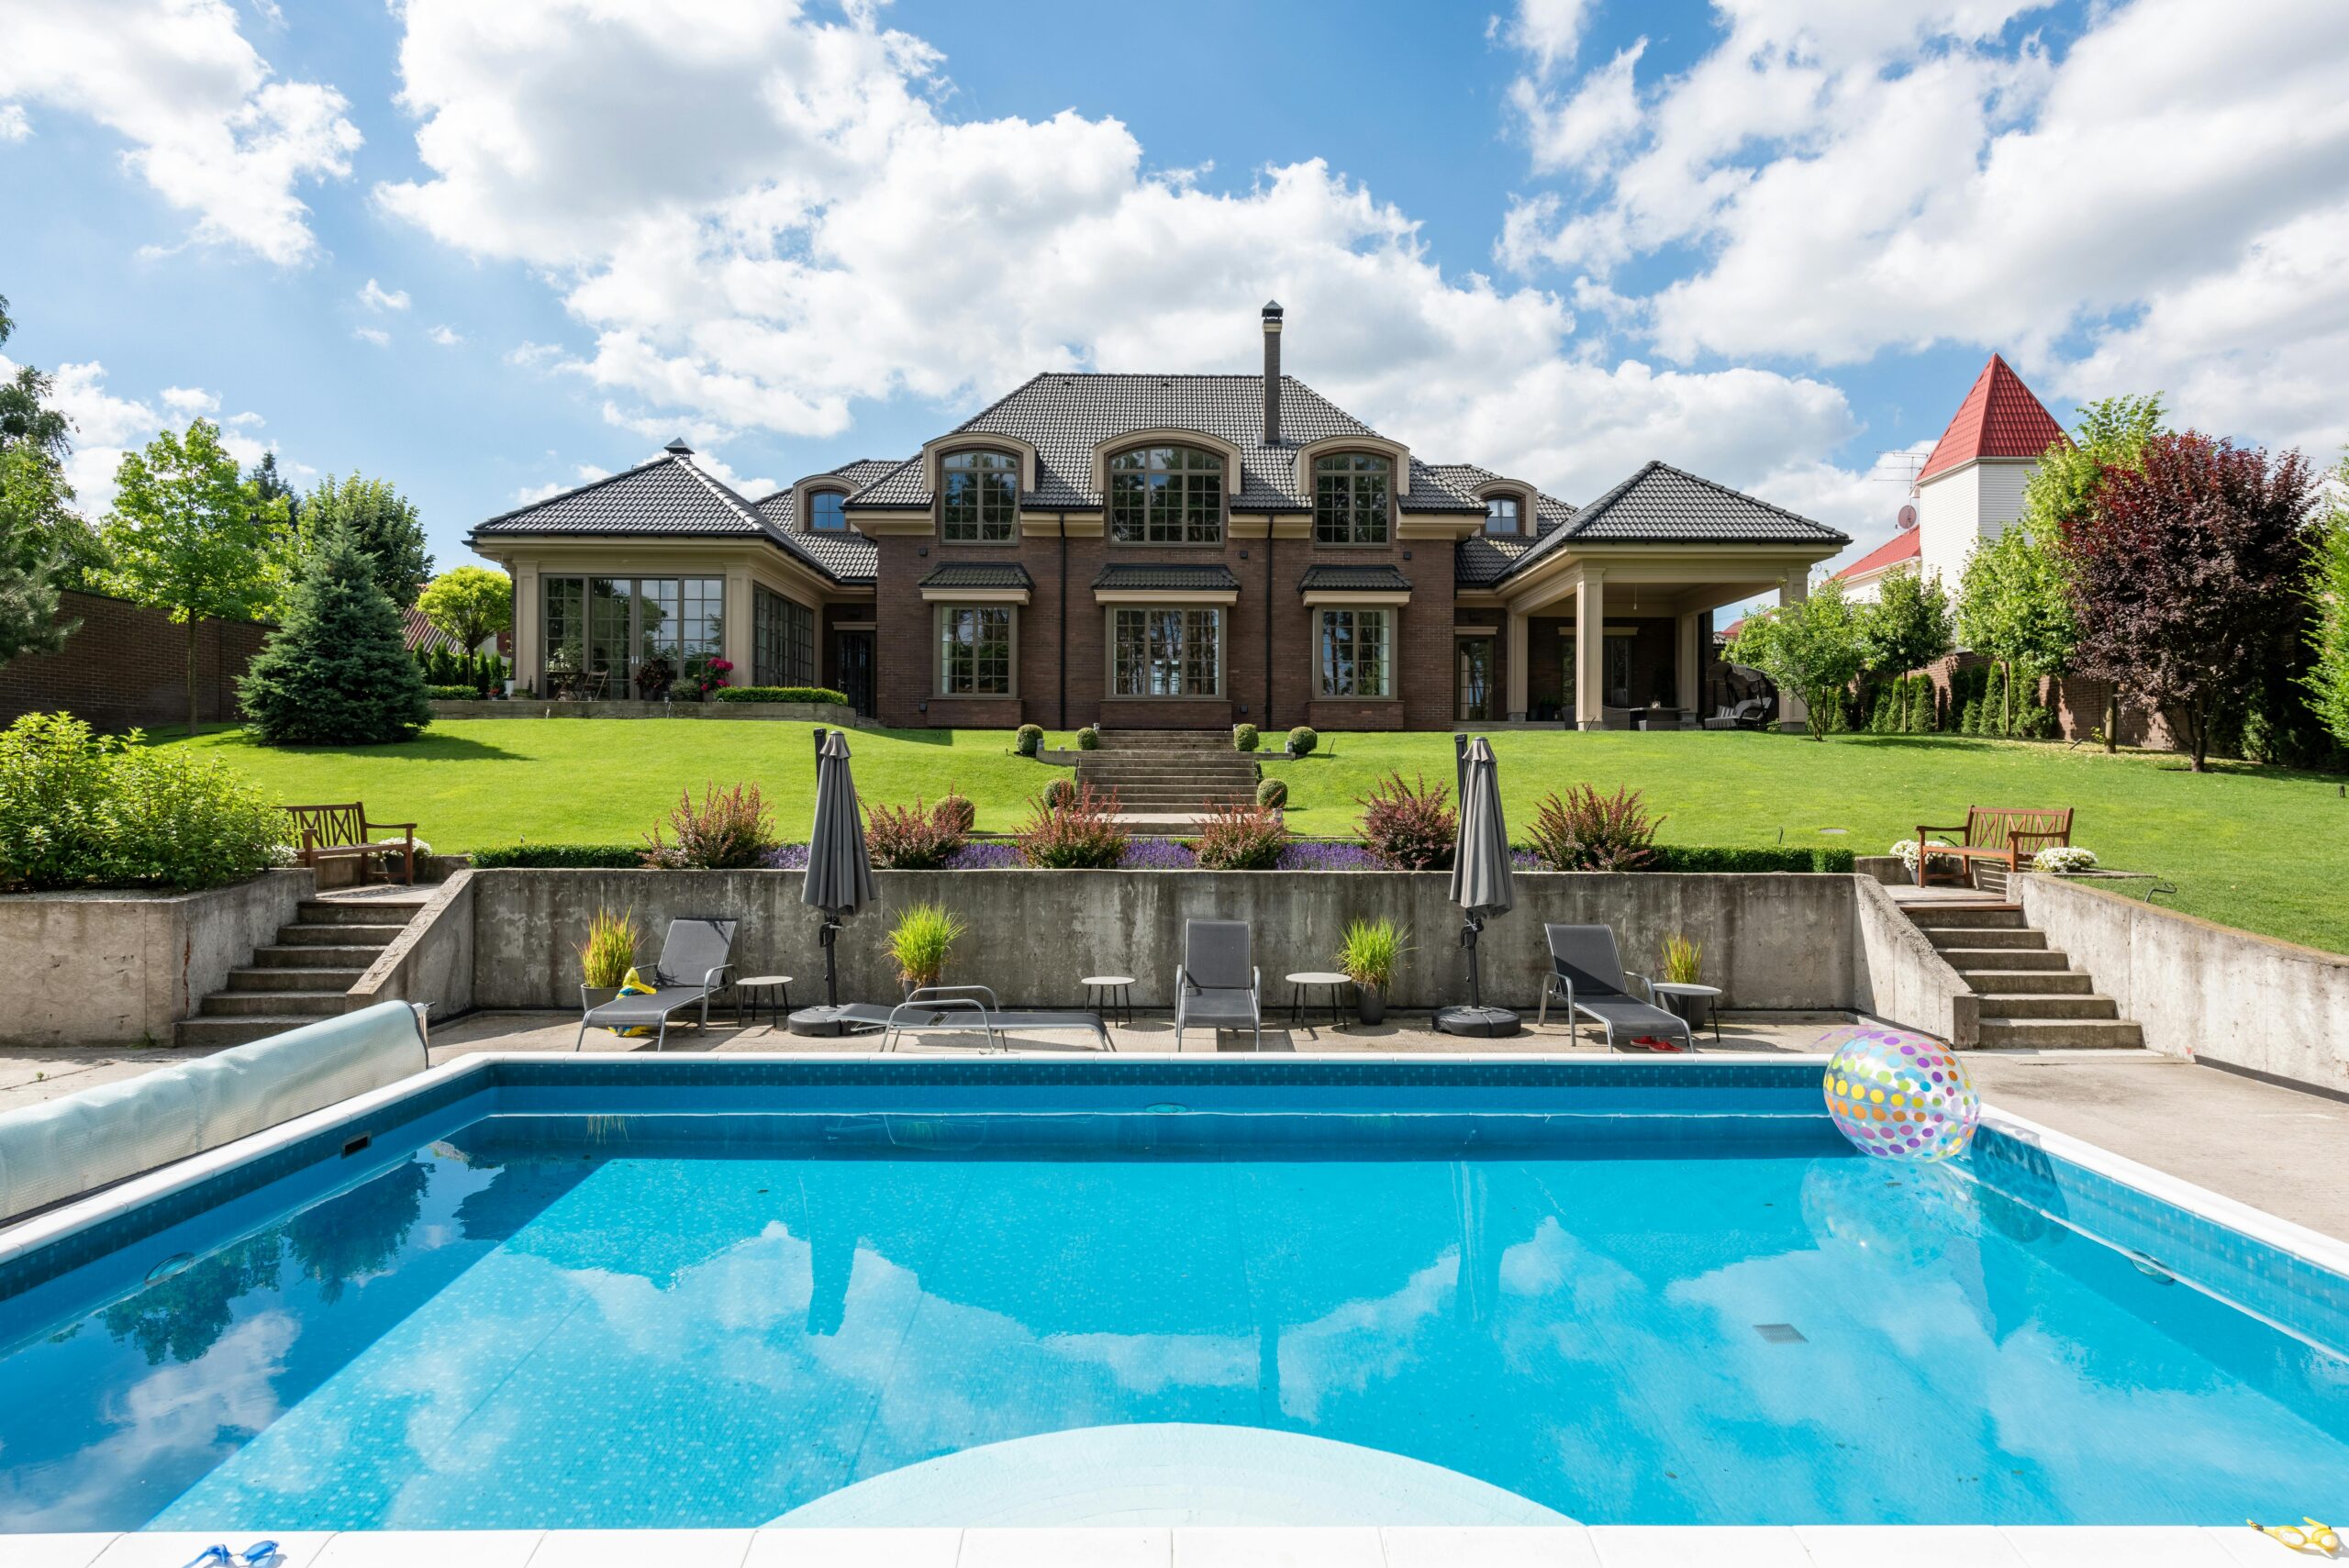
(486, 251)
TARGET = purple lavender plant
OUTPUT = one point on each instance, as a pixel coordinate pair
(1158, 855)
(787, 857)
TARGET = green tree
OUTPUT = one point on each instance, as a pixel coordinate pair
(1810, 646)
(469, 603)
(2013, 605)
(188, 534)
(381, 522)
(1907, 626)
(337, 669)
(2327, 589)
(43, 543)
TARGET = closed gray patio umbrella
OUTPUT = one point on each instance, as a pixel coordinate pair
(839, 874)
(1483, 885)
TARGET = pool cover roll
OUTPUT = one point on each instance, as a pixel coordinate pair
(76, 1144)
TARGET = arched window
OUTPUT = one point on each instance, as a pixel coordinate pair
(1500, 515)
(1351, 494)
(978, 497)
(824, 512)
(1166, 496)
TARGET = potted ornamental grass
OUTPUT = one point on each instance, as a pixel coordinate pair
(606, 956)
(919, 942)
(1367, 956)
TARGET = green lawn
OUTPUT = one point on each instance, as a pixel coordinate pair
(2265, 849)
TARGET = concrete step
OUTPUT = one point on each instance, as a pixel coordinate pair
(315, 956)
(359, 911)
(1977, 938)
(215, 1034)
(1988, 982)
(1150, 775)
(2047, 1005)
(264, 978)
(1167, 739)
(338, 935)
(273, 1004)
(2005, 958)
(1979, 915)
(2061, 1034)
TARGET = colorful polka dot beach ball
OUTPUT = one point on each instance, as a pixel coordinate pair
(1899, 1095)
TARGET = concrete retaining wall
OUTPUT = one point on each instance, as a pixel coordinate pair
(540, 708)
(1902, 977)
(432, 960)
(1771, 942)
(2201, 989)
(119, 968)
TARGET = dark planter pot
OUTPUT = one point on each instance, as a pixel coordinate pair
(1689, 1009)
(1370, 1005)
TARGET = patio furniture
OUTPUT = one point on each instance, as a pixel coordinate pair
(1694, 992)
(1218, 985)
(963, 1009)
(1586, 971)
(344, 833)
(1483, 886)
(2000, 836)
(1110, 993)
(1317, 979)
(1751, 713)
(695, 956)
(771, 992)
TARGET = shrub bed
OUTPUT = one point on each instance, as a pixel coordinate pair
(780, 693)
(570, 857)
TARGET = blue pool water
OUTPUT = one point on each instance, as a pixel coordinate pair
(547, 1319)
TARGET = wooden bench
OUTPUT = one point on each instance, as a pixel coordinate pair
(2001, 835)
(343, 832)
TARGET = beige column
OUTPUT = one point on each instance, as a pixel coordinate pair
(1794, 714)
(1684, 665)
(1590, 650)
(1517, 661)
(734, 638)
(527, 622)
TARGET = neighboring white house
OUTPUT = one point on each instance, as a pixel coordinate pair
(1864, 578)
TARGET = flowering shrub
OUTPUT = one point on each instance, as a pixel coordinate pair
(786, 857)
(1242, 837)
(993, 856)
(83, 810)
(1159, 854)
(725, 832)
(1273, 793)
(911, 838)
(1309, 856)
(1589, 831)
(1409, 827)
(2058, 858)
(1906, 852)
(1082, 835)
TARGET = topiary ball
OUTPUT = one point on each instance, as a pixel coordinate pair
(1060, 793)
(955, 812)
(1272, 793)
(1898, 1095)
(1243, 737)
(1302, 740)
(1029, 740)
(1088, 738)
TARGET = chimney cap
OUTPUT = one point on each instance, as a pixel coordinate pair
(1272, 310)
(678, 448)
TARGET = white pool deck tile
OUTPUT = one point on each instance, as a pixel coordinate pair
(2117, 1546)
(1698, 1546)
(1911, 1546)
(53, 1551)
(175, 1549)
(2244, 1546)
(1491, 1546)
(1046, 1548)
(910, 1548)
(440, 1548)
(642, 1549)
(1216, 1546)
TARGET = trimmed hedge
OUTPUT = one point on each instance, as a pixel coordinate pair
(1714, 858)
(575, 857)
(452, 693)
(780, 693)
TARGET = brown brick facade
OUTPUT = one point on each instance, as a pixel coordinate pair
(125, 667)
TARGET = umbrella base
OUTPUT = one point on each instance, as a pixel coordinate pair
(1481, 1023)
(824, 1022)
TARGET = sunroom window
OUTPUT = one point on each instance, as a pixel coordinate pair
(1351, 494)
(1166, 496)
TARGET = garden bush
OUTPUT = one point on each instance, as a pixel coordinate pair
(1273, 793)
(79, 809)
(452, 693)
(1243, 737)
(1060, 791)
(1088, 738)
(1711, 858)
(1242, 837)
(780, 694)
(337, 669)
(1589, 831)
(1302, 740)
(957, 812)
(1408, 827)
(1081, 835)
(911, 838)
(724, 833)
(578, 857)
(1029, 740)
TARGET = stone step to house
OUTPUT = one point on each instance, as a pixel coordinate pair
(1977, 938)
(263, 977)
(2047, 1005)
(2061, 1034)
(311, 956)
(1951, 917)
(305, 975)
(358, 912)
(2005, 958)
(1166, 740)
(274, 1004)
(339, 936)
(1985, 982)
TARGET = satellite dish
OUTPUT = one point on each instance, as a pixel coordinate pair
(1908, 517)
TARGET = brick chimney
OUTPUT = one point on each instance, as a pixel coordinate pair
(1272, 373)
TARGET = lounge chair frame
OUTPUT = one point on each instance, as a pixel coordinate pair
(965, 1009)
(1602, 997)
(671, 978)
(1217, 1006)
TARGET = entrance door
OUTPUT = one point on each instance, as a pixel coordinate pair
(1475, 680)
(853, 652)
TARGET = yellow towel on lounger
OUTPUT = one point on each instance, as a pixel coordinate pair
(637, 985)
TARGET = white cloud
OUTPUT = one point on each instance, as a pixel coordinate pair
(207, 129)
(243, 420)
(1588, 124)
(107, 427)
(530, 493)
(447, 337)
(375, 335)
(190, 401)
(532, 356)
(1548, 30)
(376, 297)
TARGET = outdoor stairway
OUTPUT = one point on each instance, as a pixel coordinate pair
(303, 975)
(2030, 994)
(1166, 772)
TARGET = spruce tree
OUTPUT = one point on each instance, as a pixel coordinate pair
(336, 671)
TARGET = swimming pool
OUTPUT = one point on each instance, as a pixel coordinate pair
(636, 1294)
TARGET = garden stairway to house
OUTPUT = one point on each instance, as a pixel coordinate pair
(1169, 773)
(305, 974)
(2031, 996)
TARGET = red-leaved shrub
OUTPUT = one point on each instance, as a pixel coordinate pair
(1407, 828)
(724, 833)
(1080, 835)
(911, 838)
(1242, 837)
(1590, 831)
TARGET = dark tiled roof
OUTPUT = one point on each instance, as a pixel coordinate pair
(846, 554)
(1663, 505)
(1157, 576)
(1065, 415)
(1486, 558)
(670, 495)
(978, 575)
(421, 635)
(1325, 578)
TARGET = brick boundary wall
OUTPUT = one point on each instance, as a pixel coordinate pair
(125, 667)
(2076, 702)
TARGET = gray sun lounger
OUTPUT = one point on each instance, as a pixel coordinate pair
(1218, 985)
(1586, 971)
(961, 1010)
(695, 956)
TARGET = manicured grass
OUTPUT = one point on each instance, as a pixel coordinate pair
(2264, 849)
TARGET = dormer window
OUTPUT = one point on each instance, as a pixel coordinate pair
(1500, 515)
(1352, 493)
(1166, 496)
(824, 511)
(978, 497)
